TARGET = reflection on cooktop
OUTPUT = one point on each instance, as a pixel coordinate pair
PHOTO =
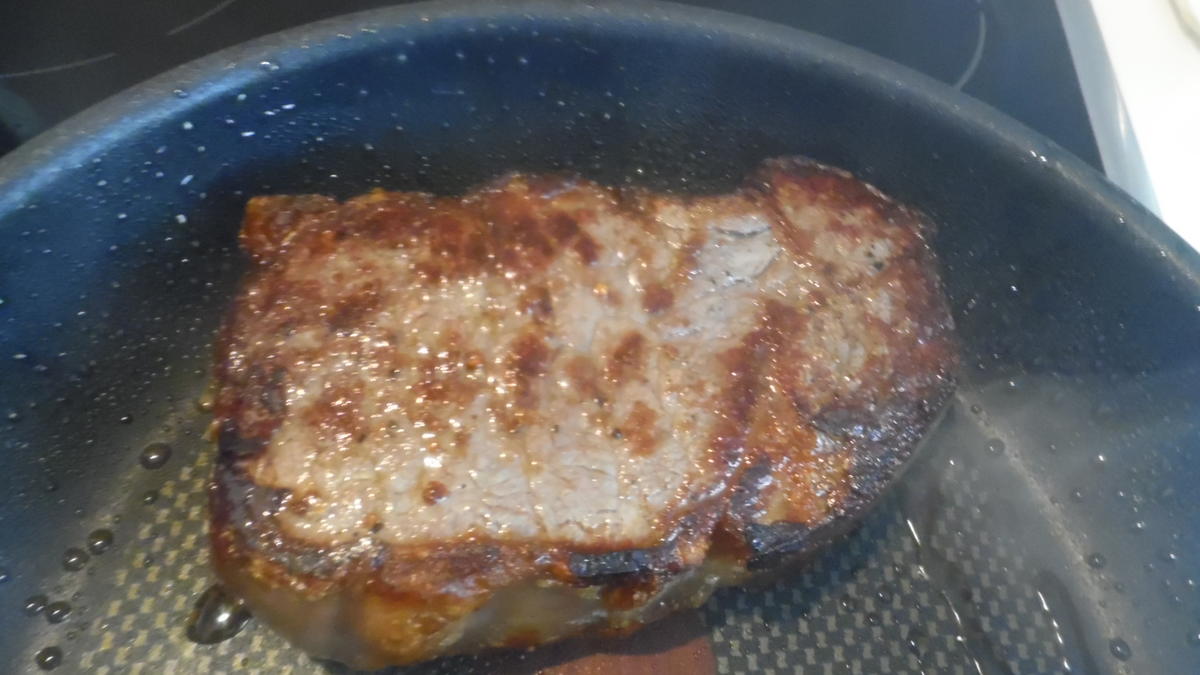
(942, 38)
(58, 35)
(59, 56)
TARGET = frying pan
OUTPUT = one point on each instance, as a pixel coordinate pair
(1050, 525)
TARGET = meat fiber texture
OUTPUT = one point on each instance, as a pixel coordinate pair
(550, 407)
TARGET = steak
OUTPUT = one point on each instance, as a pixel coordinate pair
(550, 407)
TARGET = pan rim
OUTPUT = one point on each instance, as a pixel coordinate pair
(71, 142)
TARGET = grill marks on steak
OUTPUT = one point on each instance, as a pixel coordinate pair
(464, 413)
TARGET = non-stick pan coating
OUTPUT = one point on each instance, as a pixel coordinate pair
(1051, 523)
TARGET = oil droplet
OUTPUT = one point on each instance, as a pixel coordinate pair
(269, 66)
(57, 612)
(1096, 561)
(848, 603)
(1194, 639)
(74, 559)
(155, 455)
(1120, 649)
(180, 93)
(216, 617)
(4, 575)
(1076, 495)
(34, 604)
(100, 541)
(125, 419)
(205, 402)
(995, 446)
(48, 658)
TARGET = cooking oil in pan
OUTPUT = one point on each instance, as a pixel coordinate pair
(48, 658)
(968, 539)
(155, 456)
(75, 559)
(923, 505)
(34, 604)
(58, 612)
(99, 541)
(216, 617)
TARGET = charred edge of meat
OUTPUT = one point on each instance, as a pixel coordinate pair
(238, 505)
(885, 447)
(232, 446)
(244, 510)
(602, 568)
(629, 565)
(883, 452)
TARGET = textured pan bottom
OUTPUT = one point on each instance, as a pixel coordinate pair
(863, 607)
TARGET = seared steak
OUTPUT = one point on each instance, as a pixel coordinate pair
(550, 406)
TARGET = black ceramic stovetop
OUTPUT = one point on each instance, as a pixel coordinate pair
(59, 56)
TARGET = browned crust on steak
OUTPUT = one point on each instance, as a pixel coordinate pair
(796, 453)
